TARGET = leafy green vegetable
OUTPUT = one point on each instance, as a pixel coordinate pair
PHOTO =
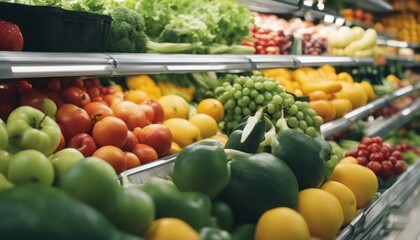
(127, 32)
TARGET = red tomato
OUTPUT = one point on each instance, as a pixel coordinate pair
(73, 119)
(158, 136)
(84, 143)
(130, 142)
(93, 92)
(145, 153)
(76, 96)
(110, 131)
(54, 85)
(77, 82)
(130, 113)
(98, 111)
(374, 166)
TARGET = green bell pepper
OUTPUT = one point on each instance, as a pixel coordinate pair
(202, 167)
(29, 128)
(213, 233)
(248, 135)
(224, 215)
(244, 232)
(192, 207)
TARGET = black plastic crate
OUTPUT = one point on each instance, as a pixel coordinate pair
(53, 29)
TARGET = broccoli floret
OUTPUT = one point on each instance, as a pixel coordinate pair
(127, 33)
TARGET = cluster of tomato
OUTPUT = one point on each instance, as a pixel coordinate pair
(96, 120)
(382, 159)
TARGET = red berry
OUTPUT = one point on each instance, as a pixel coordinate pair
(11, 38)
(385, 152)
(399, 167)
(377, 140)
(362, 147)
(374, 147)
(374, 166)
(362, 161)
(392, 159)
(362, 153)
(397, 154)
(376, 156)
(366, 140)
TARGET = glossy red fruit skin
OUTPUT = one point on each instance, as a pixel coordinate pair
(11, 38)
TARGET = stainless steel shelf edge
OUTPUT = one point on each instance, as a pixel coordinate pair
(129, 64)
(271, 6)
(378, 6)
(314, 61)
(382, 127)
(36, 64)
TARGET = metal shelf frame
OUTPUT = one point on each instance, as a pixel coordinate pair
(36, 64)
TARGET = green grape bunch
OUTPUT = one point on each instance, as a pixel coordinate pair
(242, 96)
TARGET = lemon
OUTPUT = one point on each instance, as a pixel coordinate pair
(136, 96)
(174, 106)
(346, 198)
(281, 223)
(220, 137)
(348, 159)
(212, 107)
(361, 181)
(183, 131)
(206, 124)
(171, 228)
(321, 211)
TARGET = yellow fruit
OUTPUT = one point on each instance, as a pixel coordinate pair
(183, 131)
(346, 198)
(348, 160)
(361, 181)
(206, 124)
(171, 229)
(174, 106)
(281, 223)
(136, 96)
(321, 211)
(212, 107)
(145, 83)
(367, 87)
(342, 106)
(353, 92)
(175, 148)
(220, 137)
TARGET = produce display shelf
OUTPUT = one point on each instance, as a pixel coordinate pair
(402, 59)
(378, 6)
(368, 223)
(38, 64)
(271, 6)
(330, 128)
(383, 126)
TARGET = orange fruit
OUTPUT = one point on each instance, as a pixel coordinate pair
(136, 96)
(175, 148)
(114, 156)
(212, 107)
(342, 106)
(324, 109)
(317, 95)
(171, 228)
(132, 160)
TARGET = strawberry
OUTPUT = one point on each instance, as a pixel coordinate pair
(11, 38)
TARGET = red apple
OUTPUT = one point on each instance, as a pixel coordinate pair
(76, 96)
(159, 115)
(158, 136)
(74, 120)
(84, 143)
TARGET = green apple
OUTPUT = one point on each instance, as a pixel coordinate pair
(64, 159)
(4, 136)
(93, 181)
(4, 183)
(29, 128)
(30, 166)
(5, 158)
(135, 211)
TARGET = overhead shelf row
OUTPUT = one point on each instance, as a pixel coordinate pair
(33, 64)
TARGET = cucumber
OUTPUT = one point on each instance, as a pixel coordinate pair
(35, 211)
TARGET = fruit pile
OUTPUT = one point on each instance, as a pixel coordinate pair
(313, 45)
(266, 41)
(382, 159)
